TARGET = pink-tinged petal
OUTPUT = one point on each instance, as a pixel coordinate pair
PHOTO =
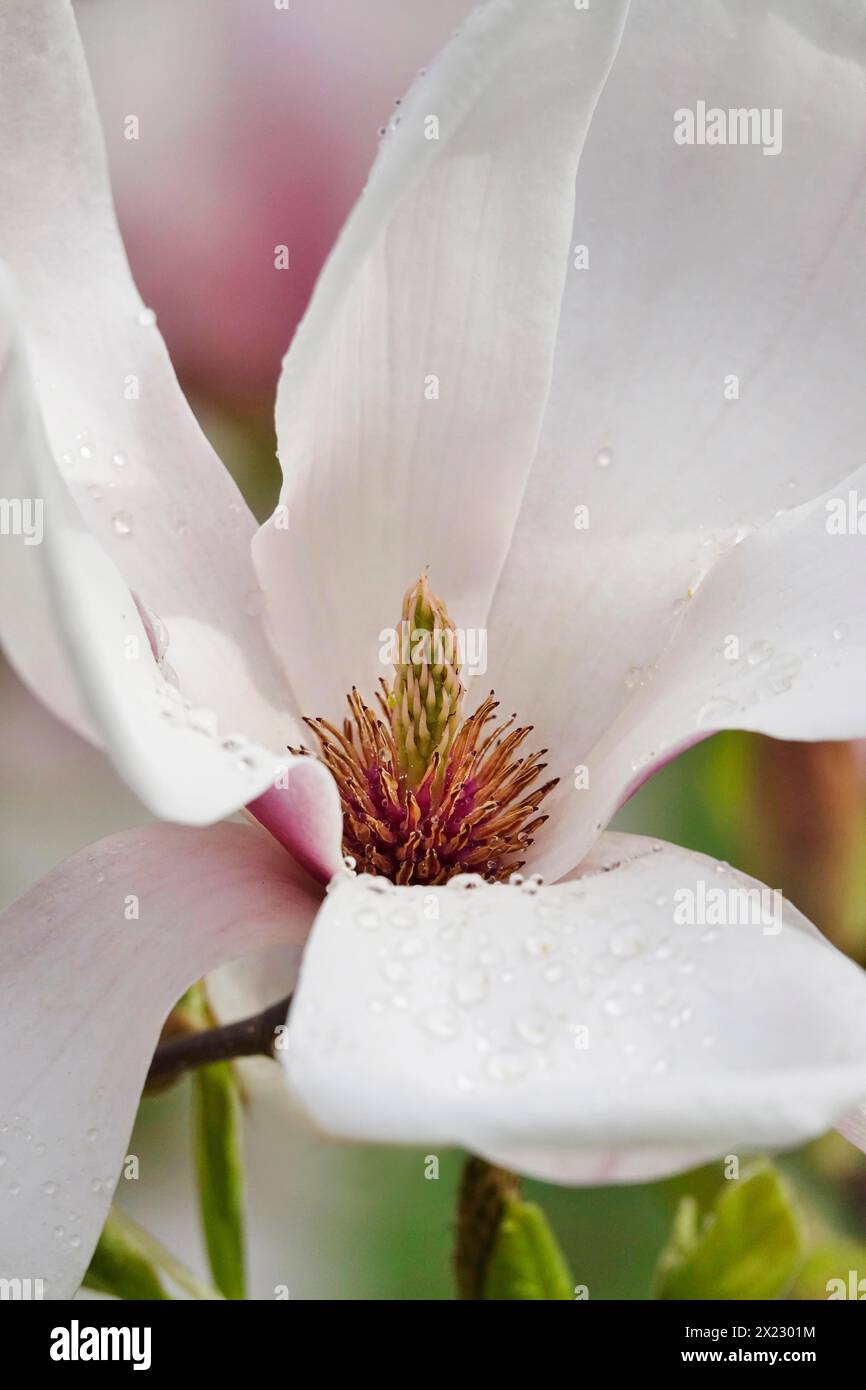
(705, 263)
(411, 399)
(91, 960)
(303, 812)
(45, 770)
(147, 483)
(853, 1126)
(588, 1031)
(69, 597)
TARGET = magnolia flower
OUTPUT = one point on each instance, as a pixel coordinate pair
(610, 425)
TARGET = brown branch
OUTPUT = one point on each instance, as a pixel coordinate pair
(250, 1037)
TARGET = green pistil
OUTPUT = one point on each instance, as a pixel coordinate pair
(425, 699)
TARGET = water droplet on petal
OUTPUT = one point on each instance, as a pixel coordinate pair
(466, 881)
(395, 972)
(119, 459)
(716, 712)
(122, 523)
(442, 1023)
(401, 919)
(471, 987)
(758, 652)
(146, 317)
(626, 941)
(840, 632)
(604, 458)
(534, 1027)
(507, 1067)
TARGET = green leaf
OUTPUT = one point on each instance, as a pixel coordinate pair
(526, 1262)
(746, 1247)
(832, 1271)
(219, 1167)
(120, 1264)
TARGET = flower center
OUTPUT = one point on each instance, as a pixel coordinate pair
(426, 794)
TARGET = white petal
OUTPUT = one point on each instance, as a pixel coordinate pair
(84, 990)
(68, 597)
(704, 262)
(145, 479)
(576, 1030)
(447, 281)
(774, 640)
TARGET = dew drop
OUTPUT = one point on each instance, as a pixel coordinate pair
(203, 720)
(146, 317)
(401, 919)
(507, 1067)
(840, 632)
(412, 946)
(553, 973)
(350, 861)
(538, 944)
(94, 491)
(604, 458)
(466, 881)
(626, 941)
(122, 523)
(395, 972)
(758, 652)
(119, 459)
(534, 1027)
(715, 712)
(442, 1023)
(49, 1188)
(471, 987)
